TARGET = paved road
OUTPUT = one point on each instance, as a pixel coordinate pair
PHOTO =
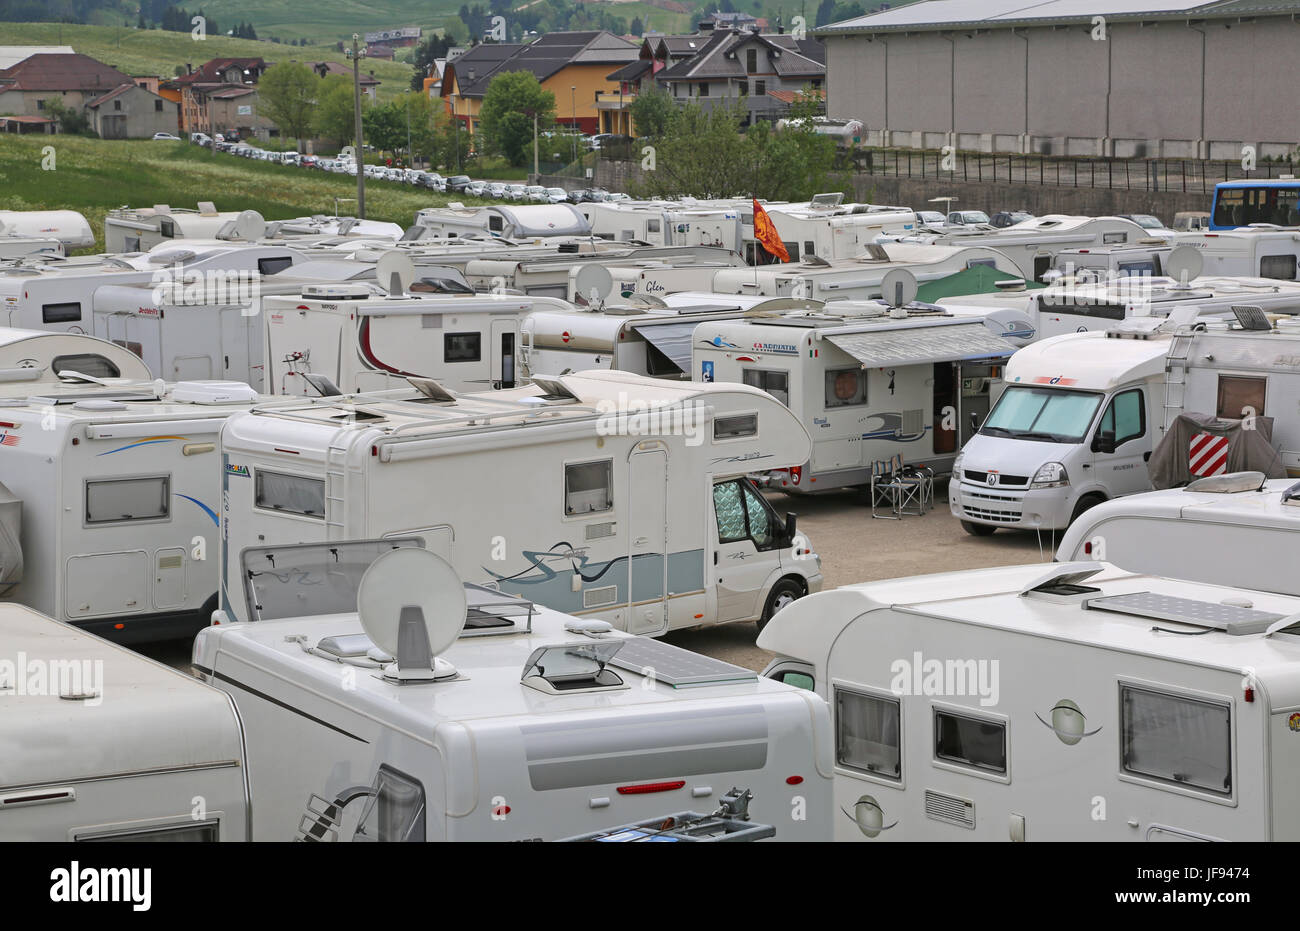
(853, 548)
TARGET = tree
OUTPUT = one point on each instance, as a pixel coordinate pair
(426, 52)
(450, 143)
(72, 122)
(335, 110)
(385, 127)
(702, 153)
(288, 92)
(506, 117)
(637, 27)
(652, 112)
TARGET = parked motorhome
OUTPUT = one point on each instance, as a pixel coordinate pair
(525, 221)
(525, 724)
(107, 745)
(209, 330)
(555, 275)
(68, 227)
(829, 228)
(1009, 704)
(34, 357)
(858, 278)
(1110, 262)
(580, 468)
(666, 223)
(14, 246)
(140, 229)
(1074, 426)
(645, 339)
(119, 489)
(865, 383)
(1232, 529)
(1259, 250)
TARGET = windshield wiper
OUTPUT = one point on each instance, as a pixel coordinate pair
(999, 431)
(1036, 435)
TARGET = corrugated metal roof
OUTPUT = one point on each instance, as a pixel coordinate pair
(939, 14)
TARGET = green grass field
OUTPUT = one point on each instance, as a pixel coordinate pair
(330, 20)
(94, 175)
(153, 51)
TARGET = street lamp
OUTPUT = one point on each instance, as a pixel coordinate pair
(356, 53)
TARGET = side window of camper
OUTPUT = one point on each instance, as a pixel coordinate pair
(760, 519)
(113, 501)
(589, 487)
(1125, 417)
(203, 832)
(652, 226)
(1241, 395)
(1183, 741)
(292, 494)
(775, 383)
(274, 265)
(867, 733)
(462, 347)
(61, 313)
(87, 363)
(735, 427)
(970, 741)
(846, 387)
(1277, 266)
(743, 514)
(729, 508)
(495, 223)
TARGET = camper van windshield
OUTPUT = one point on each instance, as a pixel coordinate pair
(1052, 415)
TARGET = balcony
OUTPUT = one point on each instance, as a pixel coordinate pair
(614, 101)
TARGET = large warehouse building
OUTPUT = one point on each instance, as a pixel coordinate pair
(1128, 78)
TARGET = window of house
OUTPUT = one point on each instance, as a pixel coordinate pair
(589, 487)
(158, 106)
(970, 741)
(868, 733)
(760, 88)
(462, 347)
(1241, 396)
(1183, 741)
(117, 105)
(846, 387)
(1125, 416)
(292, 494)
(775, 383)
(40, 105)
(704, 89)
(751, 60)
(112, 501)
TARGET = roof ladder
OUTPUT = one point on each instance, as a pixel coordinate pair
(1176, 375)
(336, 473)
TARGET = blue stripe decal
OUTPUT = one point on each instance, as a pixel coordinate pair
(133, 446)
(206, 510)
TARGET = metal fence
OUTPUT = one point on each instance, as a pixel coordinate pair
(1132, 174)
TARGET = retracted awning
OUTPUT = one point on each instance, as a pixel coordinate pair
(672, 339)
(920, 345)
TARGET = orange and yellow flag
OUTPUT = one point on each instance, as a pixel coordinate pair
(766, 234)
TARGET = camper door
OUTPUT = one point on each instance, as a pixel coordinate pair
(504, 341)
(647, 558)
(241, 356)
(745, 529)
(1122, 443)
(140, 333)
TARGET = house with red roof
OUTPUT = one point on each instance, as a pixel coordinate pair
(33, 84)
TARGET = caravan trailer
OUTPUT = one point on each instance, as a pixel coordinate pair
(577, 470)
(858, 278)
(1019, 703)
(645, 339)
(106, 745)
(865, 383)
(1260, 249)
(524, 725)
(363, 339)
(1233, 529)
(118, 484)
(140, 229)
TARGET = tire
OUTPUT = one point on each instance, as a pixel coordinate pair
(1087, 502)
(783, 593)
(977, 530)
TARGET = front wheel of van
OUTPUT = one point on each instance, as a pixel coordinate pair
(783, 593)
(1087, 502)
(977, 530)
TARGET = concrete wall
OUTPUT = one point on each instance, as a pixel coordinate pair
(138, 117)
(1066, 91)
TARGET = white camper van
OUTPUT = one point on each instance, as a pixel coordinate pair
(106, 745)
(828, 228)
(67, 227)
(526, 221)
(865, 383)
(1002, 704)
(1232, 529)
(512, 722)
(555, 274)
(118, 485)
(1260, 249)
(576, 472)
(1075, 426)
(1146, 258)
(666, 223)
(857, 278)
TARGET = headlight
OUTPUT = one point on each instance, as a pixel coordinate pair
(956, 464)
(1050, 475)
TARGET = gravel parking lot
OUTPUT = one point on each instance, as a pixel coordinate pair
(853, 548)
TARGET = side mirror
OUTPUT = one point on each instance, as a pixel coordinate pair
(1104, 442)
(791, 525)
(974, 422)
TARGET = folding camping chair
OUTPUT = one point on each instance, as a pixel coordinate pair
(887, 488)
(911, 495)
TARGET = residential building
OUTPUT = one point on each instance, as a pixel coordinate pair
(29, 87)
(404, 37)
(196, 85)
(129, 111)
(11, 55)
(369, 83)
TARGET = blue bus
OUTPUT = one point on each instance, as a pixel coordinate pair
(1241, 203)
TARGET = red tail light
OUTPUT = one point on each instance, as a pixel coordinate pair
(793, 780)
(646, 788)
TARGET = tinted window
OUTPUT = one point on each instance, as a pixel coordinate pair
(462, 347)
(589, 487)
(777, 384)
(1241, 396)
(295, 494)
(127, 499)
(730, 428)
(273, 265)
(87, 363)
(1183, 741)
(846, 387)
(1277, 266)
(1125, 417)
(61, 313)
(969, 741)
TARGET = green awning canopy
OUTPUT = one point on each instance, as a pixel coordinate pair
(978, 279)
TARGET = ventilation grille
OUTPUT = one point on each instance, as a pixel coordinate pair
(913, 422)
(600, 531)
(958, 811)
(431, 321)
(600, 597)
(171, 562)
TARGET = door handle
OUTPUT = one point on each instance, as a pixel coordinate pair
(715, 557)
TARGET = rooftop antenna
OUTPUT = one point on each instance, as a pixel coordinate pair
(592, 284)
(395, 271)
(898, 288)
(1184, 264)
(412, 606)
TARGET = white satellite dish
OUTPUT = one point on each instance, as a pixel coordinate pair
(898, 287)
(1183, 264)
(592, 284)
(412, 606)
(249, 225)
(395, 272)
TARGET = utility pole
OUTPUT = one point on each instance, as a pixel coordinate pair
(356, 53)
(536, 173)
(573, 100)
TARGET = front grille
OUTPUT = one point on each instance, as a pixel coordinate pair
(994, 508)
(983, 477)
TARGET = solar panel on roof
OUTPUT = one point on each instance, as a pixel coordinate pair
(677, 667)
(1232, 619)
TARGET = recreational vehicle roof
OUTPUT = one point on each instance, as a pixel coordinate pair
(1002, 599)
(28, 356)
(160, 719)
(67, 226)
(1089, 361)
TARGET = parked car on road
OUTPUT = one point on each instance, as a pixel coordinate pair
(1009, 218)
(166, 137)
(456, 184)
(968, 218)
(556, 195)
(516, 192)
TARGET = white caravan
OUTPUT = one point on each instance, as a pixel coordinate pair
(645, 339)
(140, 229)
(1144, 259)
(1259, 249)
(555, 274)
(1008, 704)
(829, 228)
(1233, 529)
(119, 489)
(530, 221)
(510, 722)
(363, 339)
(35, 357)
(210, 329)
(106, 745)
(865, 384)
(858, 278)
(666, 223)
(17, 247)
(67, 227)
(1074, 426)
(558, 492)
